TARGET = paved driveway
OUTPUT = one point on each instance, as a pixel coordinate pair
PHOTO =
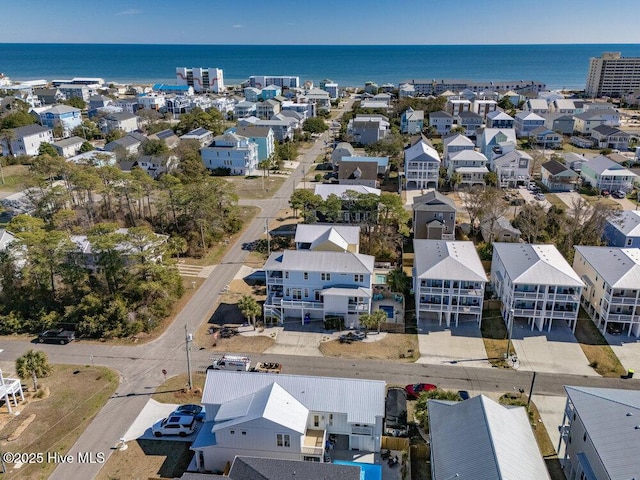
(625, 203)
(292, 342)
(556, 351)
(627, 349)
(529, 198)
(460, 345)
(568, 198)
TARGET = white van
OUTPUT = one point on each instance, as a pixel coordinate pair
(236, 363)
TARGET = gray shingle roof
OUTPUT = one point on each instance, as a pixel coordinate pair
(253, 468)
(434, 201)
(28, 130)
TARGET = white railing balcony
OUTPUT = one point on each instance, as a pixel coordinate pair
(433, 290)
(302, 304)
(275, 280)
(621, 317)
(528, 295)
(448, 236)
(312, 450)
(358, 307)
(613, 300)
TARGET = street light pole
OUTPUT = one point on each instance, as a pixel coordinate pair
(510, 330)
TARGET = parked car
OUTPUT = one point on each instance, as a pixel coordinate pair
(415, 389)
(619, 194)
(464, 395)
(190, 409)
(539, 196)
(58, 335)
(175, 424)
(614, 328)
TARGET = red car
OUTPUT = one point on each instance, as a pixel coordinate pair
(414, 390)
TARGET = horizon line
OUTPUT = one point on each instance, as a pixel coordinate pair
(316, 44)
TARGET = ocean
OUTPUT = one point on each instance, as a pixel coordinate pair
(559, 66)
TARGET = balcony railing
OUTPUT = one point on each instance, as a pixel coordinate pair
(455, 292)
(302, 304)
(358, 307)
(439, 307)
(620, 300)
(312, 450)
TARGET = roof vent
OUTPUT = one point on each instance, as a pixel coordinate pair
(637, 427)
(629, 414)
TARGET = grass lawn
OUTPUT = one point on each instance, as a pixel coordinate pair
(394, 346)
(15, 177)
(251, 187)
(76, 394)
(596, 349)
(555, 201)
(593, 199)
(494, 335)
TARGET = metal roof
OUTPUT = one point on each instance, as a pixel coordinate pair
(618, 267)
(309, 233)
(271, 403)
(443, 260)
(470, 155)
(320, 261)
(626, 222)
(479, 439)
(348, 292)
(324, 190)
(458, 140)
(361, 400)
(611, 418)
(536, 264)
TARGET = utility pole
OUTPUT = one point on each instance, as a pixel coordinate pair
(533, 380)
(266, 230)
(188, 338)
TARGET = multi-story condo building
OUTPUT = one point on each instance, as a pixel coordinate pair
(612, 75)
(235, 152)
(448, 281)
(438, 87)
(261, 81)
(535, 283)
(308, 284)
(63, 116)
(612, 276)
(599, 434)
(421, 166)
(201, 79)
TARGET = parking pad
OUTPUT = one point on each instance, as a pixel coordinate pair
(153, 411)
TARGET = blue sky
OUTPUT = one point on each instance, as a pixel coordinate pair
(380, 22)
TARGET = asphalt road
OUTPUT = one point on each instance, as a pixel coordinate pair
(140, 367)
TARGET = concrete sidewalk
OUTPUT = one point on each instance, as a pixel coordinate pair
(462, 345)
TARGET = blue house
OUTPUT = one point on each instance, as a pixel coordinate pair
(262, 136)
(623, 229)
(412, 121)
(271, 91)
(62, 116)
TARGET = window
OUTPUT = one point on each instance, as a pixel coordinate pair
(316, 421)
(243, 432)
(629, 242)
(232, 432)
(358, 278)
(296, 294)
(331, 419)
(325, 277)
(286, 275)
(306, 275)
(283, 440)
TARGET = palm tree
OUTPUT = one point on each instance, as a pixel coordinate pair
(34, 363)
(373, 320)
(249, 308)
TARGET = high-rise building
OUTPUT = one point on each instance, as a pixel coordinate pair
(612, 75)
(201, 79)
